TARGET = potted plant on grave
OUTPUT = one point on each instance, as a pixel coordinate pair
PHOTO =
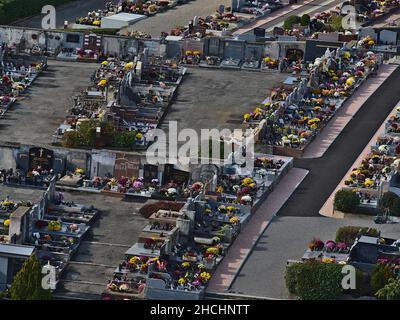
(316, 245)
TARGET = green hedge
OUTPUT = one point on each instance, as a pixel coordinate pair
(348, 234)
(12, 10)
(314, 280)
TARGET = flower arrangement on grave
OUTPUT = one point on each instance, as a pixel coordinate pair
(316, 244)
(245, 200)
(212, 250)
(40, 224)
(7, 204)
(186, 265)
(219, 189)
(330, 246)
(234, 220)
(74, 227)
(197, 186)
(205, 276)
(80, 171)
(139, 136)
(328, 260)
(6, 223)
(54, 226)
(366, 42)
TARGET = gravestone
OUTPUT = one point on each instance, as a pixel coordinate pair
(388, 37)
(172, 174)
(150, 172)
(126, 166)
(41, 157)
(23, 161)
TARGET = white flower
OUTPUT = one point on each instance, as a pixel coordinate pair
(383, 148)
(171, 191)
(262, 172)
(246, 198)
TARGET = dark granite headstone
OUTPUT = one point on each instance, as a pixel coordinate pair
(150, 172)
(41, 157)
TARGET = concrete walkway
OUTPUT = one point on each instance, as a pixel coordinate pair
(250, 233)
(327, 208)
(343, 116)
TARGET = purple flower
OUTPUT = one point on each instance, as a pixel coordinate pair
(341, 246)
(138, 184)
(330, 245)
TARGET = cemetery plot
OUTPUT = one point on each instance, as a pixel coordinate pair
(54, 227)
(124, 106)
(180, 248)
(298, 110)
(17, 73)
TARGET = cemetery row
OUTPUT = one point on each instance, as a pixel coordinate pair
(18, 71)
(184, 242)
(297, 111)
(378, 172)
(51, 228)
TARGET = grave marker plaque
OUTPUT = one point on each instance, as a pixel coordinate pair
(126, 166)
(41, 157)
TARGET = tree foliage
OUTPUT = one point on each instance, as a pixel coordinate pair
(27, 283)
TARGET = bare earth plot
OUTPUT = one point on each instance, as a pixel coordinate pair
(218, 98)
(34, 119)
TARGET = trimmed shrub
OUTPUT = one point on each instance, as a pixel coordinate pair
(390, 291)
(291, 274)
(305, 20)
(290, 21)
(148, 209)
(380, 277)
(346, 201)
(315, 280)
(348, 234)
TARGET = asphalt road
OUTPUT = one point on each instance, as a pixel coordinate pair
(68, 11)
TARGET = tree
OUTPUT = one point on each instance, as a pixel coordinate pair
(346, 201)
(27, 283)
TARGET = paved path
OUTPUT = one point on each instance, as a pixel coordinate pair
(249, 235)
(287, 238)
(343, 116)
